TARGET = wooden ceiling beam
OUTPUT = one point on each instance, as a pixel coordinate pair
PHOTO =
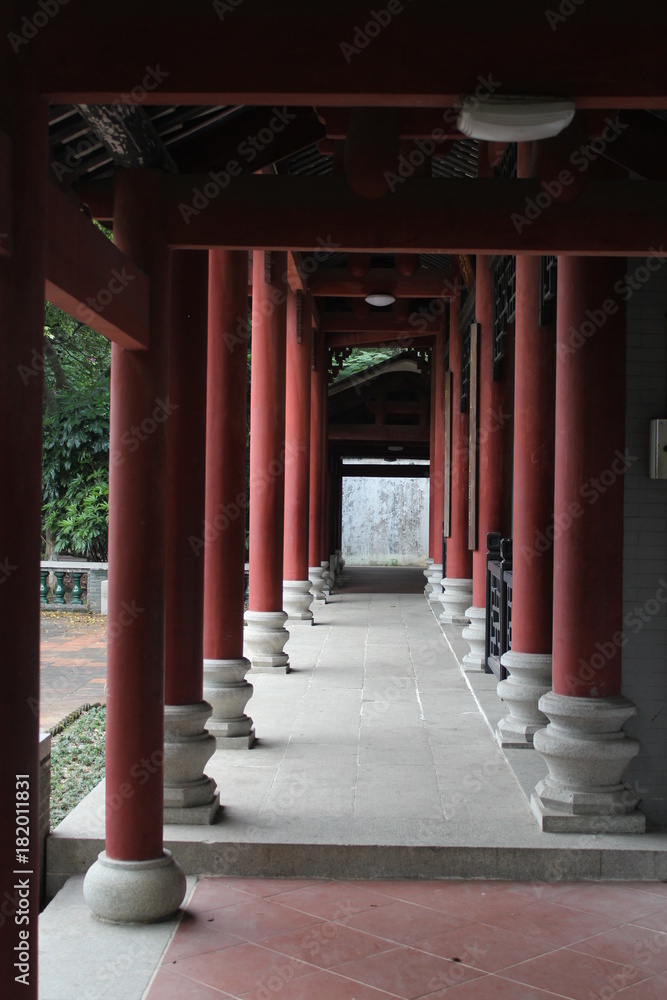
(91, 279)
(424, 55)
(610, 217)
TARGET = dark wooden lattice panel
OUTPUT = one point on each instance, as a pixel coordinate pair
(504, 308)
(548, 289)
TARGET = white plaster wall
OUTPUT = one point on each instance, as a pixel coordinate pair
(645, 544)
(385, 521)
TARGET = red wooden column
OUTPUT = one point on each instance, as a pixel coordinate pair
(529, 660)
(489, 462)
(189, 796)
(223, 534)
(438, 464)
(265, 635)
(584, 744)
(317, 393)
(428, 588)
(21, 367)
(457, 585)
(296, 585)
(135, 879)
(325, 521)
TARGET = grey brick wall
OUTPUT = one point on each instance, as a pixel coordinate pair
(95, 578)
(645, 545)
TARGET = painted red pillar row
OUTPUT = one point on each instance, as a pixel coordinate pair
(189, 795)
(584, 745)
(317, 395)
(491, 416)
(117, 887)
(21, 365)
(529, 660)
(223, 533)
(457, 585)
(296, 584)
(326, 480)
(438, 464)
(265, 635)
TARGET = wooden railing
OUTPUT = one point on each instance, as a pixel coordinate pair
(498, 603)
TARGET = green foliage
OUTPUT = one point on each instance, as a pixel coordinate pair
(77, 761)
(362, 358)
(76, 437)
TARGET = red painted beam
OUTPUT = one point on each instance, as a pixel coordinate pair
(389, 471)
(438, 124)
(382, 324)
(91, 279)
(6, 208)
(337, 283)
(347, 55)
(610, 217)
(403, 338)
(377, 432)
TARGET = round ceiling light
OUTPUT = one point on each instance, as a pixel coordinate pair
(380, 299)
(503, 118)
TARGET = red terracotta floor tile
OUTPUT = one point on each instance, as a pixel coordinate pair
(651, 989)
(408, 973)
(610, 899)
(492, 988)
(198, 933)
(631, 945)
(479, 905)
(404, 923)
(656, 921)
(243, 969)
(270, 886)
(558, 926)
(657, 888)
(334, 900)
(327, 945)
(575, 975)
(483, 946)
(212, 893)
(261, 918)
(320, 986)
(169, 985)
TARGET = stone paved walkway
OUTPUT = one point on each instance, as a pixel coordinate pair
(73, 658)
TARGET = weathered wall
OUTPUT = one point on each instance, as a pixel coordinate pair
(385, 521)
(645, 540)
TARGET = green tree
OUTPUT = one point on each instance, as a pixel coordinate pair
(75, 477)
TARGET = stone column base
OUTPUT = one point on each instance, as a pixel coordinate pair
(297, 599)
(455, 598)
(475, 635)
(427, 570)
(189, 795)
(326, 577)
(530, 678)
(587, 752)
(123, 892)
(228, 691)
(435, 579)
(315, 577)
(264, 641)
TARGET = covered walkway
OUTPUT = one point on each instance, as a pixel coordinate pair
(373, 759)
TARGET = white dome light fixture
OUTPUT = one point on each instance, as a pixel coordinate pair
(394, 447)
(380, 299)
(514, 119)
